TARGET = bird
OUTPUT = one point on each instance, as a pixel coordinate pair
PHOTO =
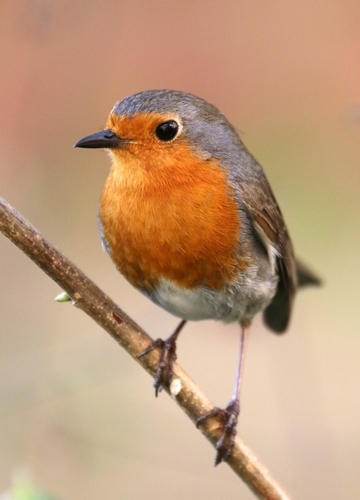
(190, 220)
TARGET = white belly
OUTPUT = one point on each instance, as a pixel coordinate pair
(236, 302)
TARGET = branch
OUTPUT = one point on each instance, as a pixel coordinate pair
(88, 297)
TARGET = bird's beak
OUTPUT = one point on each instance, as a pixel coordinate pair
(104, 139)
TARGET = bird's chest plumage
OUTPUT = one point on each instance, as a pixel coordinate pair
(182, 227)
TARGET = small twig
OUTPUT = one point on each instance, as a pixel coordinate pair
(87, 296)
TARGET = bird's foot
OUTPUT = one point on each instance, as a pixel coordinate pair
(228, 418)
(167, 359)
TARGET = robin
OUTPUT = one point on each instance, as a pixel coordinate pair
(189, 218)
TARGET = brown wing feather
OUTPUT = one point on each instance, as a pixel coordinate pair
(261, 204)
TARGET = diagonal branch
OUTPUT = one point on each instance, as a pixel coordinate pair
(87, 296)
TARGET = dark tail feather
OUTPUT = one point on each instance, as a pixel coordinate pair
(277, 313)
(305, 276)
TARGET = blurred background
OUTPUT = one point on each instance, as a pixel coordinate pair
(75, 410)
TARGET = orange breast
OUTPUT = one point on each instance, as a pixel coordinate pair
(170, 214)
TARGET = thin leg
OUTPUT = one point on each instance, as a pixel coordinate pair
(240, 364)
(168, 356)
(229, 416)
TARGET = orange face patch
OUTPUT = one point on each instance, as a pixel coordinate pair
(166, 212)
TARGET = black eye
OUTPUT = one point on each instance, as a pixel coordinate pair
(167, 130)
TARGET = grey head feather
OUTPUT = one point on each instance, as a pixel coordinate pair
(209, 133)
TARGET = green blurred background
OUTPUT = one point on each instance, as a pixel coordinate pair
(74, 408)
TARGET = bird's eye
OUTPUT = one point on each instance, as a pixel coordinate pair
(167, 131)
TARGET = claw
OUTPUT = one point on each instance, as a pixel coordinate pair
(165, 367)
(168, 357)
(151, 347)
(228, 419)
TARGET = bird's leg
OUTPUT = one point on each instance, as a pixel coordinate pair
(168, 356)
(229, 416)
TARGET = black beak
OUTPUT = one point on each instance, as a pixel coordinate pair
(104, 139)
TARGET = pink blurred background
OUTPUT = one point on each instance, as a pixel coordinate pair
(74, 408)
